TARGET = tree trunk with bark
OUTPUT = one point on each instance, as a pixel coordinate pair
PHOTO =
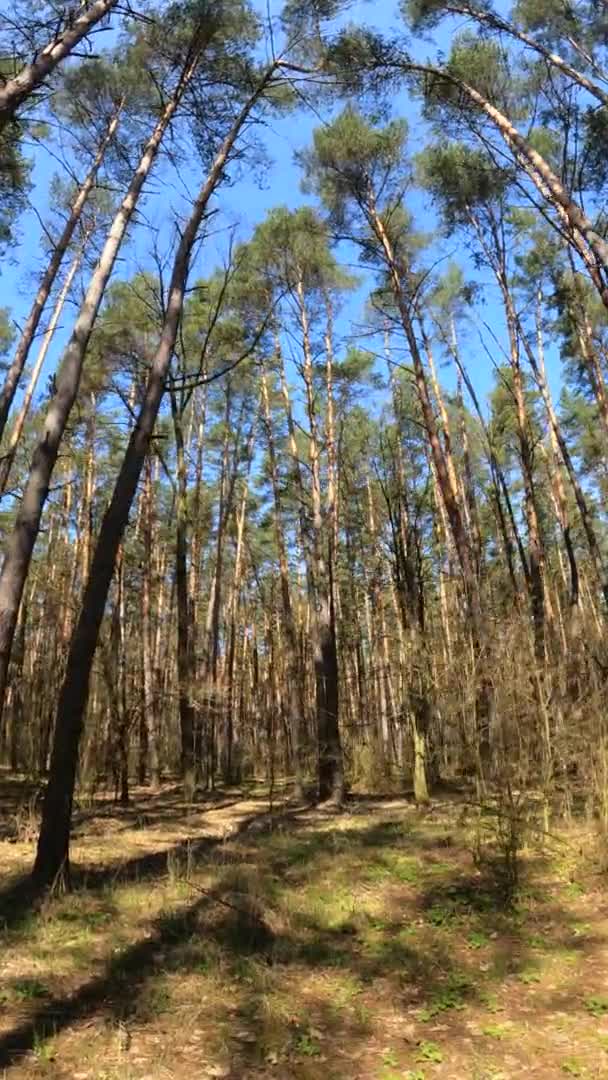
(14, 92)
(23, 538)
(52, 857)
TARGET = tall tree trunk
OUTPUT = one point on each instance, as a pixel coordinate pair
(561, 454)
(331, 767)
(536, 558)
(184, 620)
(233, 605)
(52, 857)
(200, 411)
(28, 334)
(213, 730)
(497, 260)
(23, 538)
(149, 748)
(470, 498)
(399, 275)
(295, 683)
(8, 456)
(14, 92)
(499, 484)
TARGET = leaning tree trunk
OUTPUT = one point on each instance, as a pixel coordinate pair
(489, 18)
(16, 91)
(496, 258)
(578, 228)
(560, 445)
(536, 559)
(8, 456)
(52, 858)
(500, 488)
(23, 538)
(13, 375)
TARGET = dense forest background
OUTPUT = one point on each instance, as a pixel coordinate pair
(304, 416)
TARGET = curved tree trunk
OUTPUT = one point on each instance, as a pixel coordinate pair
(489, 18)
(582, 235)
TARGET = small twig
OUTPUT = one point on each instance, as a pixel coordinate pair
(218, 900)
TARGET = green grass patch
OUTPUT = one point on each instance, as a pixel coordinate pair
(477, 940)
(392, 866)
(597, 1005)
(496, 1031)
(573, 1067)
(25, 990)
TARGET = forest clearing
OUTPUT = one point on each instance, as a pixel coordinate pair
(219, 939)
(303, 539)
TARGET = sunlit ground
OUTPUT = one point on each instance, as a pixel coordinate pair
(213, 941)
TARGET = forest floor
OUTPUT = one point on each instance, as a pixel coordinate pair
(215, 940)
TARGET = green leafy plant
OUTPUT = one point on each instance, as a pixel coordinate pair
(529, 976)
(537, 941)
(429, 1051)
(491, 1002)
(439, 915)
(390, 1058)
(443, 1001)
(307, 1045)
(477, 940)
(43, 1047)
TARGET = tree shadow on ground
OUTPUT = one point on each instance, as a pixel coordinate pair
(21, 896)
(241, 925)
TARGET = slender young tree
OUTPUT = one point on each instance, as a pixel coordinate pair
(294, 250)
(353, 166)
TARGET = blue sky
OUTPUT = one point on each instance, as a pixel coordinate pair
(244, 204)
